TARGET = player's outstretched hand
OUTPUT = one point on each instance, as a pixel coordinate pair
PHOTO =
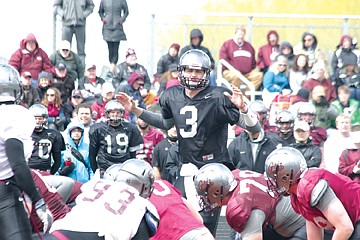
(237, 98)
(127, 101)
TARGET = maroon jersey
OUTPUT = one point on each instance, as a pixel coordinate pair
(152, 138)
(250, 194)
(176, 219)
(51, 197)
(318, 135)
(347, 191)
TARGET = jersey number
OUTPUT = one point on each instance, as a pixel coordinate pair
(121, 143)
(162, 192)
(246, 181)
(44, 149)
(192, 121)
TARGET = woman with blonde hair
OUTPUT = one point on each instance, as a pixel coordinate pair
(276, 80)
(52, 101)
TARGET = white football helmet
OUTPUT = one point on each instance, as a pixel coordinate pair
(194, 59)
(213, 182)
(283, 168)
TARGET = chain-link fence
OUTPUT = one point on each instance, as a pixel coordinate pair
(159, 31)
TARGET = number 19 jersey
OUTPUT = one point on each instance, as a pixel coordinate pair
(201, 122)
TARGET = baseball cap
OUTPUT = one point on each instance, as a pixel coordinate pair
(26, 74)
(76, 92)
(61, 65)
(90, 66)
(130, 51)
(107, 87)
(301, 125)
(65, 45)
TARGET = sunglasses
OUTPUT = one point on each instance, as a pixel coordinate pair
(50, 94)
(282, 65)
(65, 50)
(76, 97)
(308, 39)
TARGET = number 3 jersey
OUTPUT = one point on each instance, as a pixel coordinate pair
(113, 144)
(249, 194)
(115, 210)
(201, 122)
(46, 143)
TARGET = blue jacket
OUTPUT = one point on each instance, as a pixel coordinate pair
(275, 82)
(81, 172)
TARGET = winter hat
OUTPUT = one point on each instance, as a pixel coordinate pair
(136, 77)
(303, 93)
(173, 67)
(44, 75)
(61, 66)
(302, 125)
(130, 51)
(175, 46)
(350, 59)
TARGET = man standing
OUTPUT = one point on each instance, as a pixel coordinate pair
(269, 51)
(73, 14)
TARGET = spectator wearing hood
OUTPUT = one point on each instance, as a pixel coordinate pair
(172, 57)
(287, 50)
(30, 58)
(74, 65)
(125, 69)
(344, 54)
(134, 88)
(241, 55)
(62, 81)
(269, 51)
(299, 72)
(196, 38)
(75, 161)
(349, 75)
(309, 47)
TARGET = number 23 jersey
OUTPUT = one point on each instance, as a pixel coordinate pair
(201, 122)
(249, 194)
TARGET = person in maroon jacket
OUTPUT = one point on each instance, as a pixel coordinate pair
(98, 107)
(30, 57)
(349, 163)
(269, 51)
(241, 55)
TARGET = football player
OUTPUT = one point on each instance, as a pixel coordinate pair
(48, 143)
(324, 199)
(113, 141)
(201, 115)
(118, 204)
(170, 206)
(285, 123)
(16, 126)
(307, 113)
(250, 209)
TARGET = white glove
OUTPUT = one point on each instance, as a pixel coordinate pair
(44, 214)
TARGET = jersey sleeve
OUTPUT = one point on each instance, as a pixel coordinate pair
(164, 106)
(237, 214)
(136, 138)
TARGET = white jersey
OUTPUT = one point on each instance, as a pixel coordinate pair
(112, 209)
(19, 123)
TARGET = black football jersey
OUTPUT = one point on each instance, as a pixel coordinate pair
(114, 144)
(201, 122)
(46, 143)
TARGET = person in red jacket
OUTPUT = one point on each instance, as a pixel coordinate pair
(269, 51)
(30, 57)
